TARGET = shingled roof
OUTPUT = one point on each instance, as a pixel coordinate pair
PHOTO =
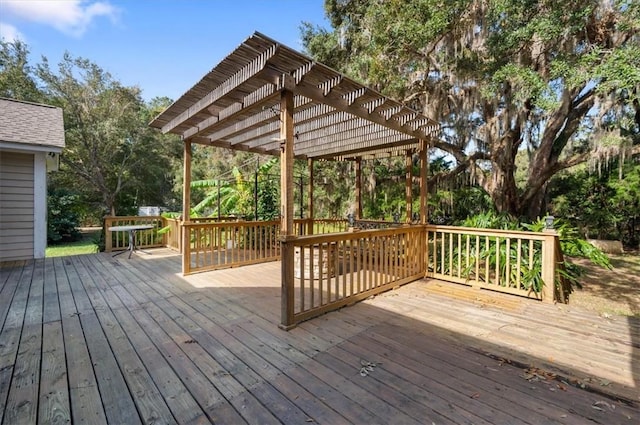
(31, 124)
(237, 105)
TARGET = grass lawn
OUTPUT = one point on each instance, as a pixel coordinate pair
(83, 246)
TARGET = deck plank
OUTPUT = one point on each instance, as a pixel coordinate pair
(22, 404)
(146, 345)
(85, 401)
(114, 393)
(11, 331)
(147, 397)
(555, 401)
(54, 405)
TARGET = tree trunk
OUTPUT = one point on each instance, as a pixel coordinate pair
(537, 206)
(501, 185)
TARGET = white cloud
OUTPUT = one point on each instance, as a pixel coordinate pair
(72, 17)
(9, 33)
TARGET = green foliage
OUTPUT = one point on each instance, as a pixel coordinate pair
(112, 159)
(63, 217)
(16, 76)
(601, 206)
(500, 76)
(571, 243)
(237, 197)
(268, 201)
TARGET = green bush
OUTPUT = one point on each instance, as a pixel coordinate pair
(62, 216)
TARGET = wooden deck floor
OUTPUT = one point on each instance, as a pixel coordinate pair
(92, 339)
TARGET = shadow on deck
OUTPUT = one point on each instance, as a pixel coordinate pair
(103, 340)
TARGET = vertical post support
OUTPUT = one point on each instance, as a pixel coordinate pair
(408, 186)
(255, 196)
(549, 265)
(286, 206)
(219, 206)
(358, 188)
(186, 208)
(108, 239)
(424, 242)
(310, 215)
(423, 182)
(286, 162)
(287, 292)
(186, 182)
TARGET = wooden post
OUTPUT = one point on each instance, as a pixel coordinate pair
(358, 188)
(186, 182)
(310, 215)
(424, 194)
(549, 265)
(255, 196)
(408, 186)
(286, 208)
(108, 239)
(286, 163)
(186, 207)
(287, 274)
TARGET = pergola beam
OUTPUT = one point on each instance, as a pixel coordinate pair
(253, 101)
(246, 73)
(318, 94)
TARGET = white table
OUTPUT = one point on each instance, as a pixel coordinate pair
(132, 229)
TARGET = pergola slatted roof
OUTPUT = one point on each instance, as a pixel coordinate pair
(237, 105)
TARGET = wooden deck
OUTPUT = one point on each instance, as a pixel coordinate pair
(92, 339)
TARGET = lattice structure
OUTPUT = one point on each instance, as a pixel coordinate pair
(237, 106)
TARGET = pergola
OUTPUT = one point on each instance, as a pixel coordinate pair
(270, 99)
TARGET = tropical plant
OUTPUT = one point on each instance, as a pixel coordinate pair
(237, 197)
(494, 254)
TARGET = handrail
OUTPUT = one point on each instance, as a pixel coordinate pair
(515, 262)
(330, 270)
(211, 246)
(322, 273)
(119, 240)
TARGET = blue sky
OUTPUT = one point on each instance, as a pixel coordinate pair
(162, 46)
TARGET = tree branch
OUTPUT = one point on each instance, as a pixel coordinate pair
(462, 166)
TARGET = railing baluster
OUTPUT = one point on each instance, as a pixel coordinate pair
(487, 272)
(507, 282)
(497, 261)
(459, 250)
(519, 264)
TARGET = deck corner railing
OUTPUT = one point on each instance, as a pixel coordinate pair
(515, 262)
(326, 272)
(216, 245)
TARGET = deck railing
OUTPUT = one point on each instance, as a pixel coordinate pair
(521, 263)
(118, 240)
(211, 246)
(325, 272)
(320, 226)
(172, 237)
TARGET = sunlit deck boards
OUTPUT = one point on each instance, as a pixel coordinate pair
(100, 340)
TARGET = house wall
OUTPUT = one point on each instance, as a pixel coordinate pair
(17, 206)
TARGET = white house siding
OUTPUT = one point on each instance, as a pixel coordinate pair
(17, 206)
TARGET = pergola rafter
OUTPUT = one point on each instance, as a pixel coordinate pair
(237, 105)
